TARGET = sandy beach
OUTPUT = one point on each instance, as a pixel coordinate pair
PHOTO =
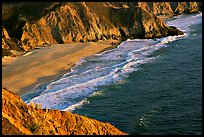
(42, 65)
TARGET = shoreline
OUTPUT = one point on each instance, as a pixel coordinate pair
(46, 64)
(19, 80)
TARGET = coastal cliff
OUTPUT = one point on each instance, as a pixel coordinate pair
(21, 119)
(10, 46)
(171, 8)
(26, 26)
(39, 24)
(72, 24)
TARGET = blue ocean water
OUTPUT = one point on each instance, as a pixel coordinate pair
(141, 87)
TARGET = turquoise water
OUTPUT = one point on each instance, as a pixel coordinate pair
(150, 86)
(162, 97)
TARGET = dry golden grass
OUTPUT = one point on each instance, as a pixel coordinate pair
(19, 118)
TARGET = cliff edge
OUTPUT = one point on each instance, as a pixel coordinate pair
(21, 119)
(31, 25)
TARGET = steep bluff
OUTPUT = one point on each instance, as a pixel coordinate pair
(80, 22)
(21, 119)
(72, 22)
(66, 22)
(171, 8)
(10, 46)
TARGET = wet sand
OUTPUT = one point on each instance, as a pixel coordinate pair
(42, 65)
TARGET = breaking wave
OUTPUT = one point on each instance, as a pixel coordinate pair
(73, 88)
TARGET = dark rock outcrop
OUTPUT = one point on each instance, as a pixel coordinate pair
(139, 23)
(10, 46)
(21, 119)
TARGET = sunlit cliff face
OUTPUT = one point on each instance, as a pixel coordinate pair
(19, 118)
(36, 24)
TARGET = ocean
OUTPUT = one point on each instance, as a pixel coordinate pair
(142, 87)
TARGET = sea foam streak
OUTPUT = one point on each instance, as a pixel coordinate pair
(72, 90)
(184, 22)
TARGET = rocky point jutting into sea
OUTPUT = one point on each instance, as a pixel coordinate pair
(26, 26)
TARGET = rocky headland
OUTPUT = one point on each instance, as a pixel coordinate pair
(21, 119)
(28, 25)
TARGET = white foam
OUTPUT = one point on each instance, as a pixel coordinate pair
(97, 93)
(77, 105)
(185, 21)
(60, 94)
(82, 60)
(51, 99)
(171, 38)
(104, 52)
(71, 91)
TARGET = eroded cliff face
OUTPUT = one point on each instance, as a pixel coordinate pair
(72, 22)
(10, 46)
(186, 7)
(21, 119)
(67, 22)
(80, 22)
(171, 8)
